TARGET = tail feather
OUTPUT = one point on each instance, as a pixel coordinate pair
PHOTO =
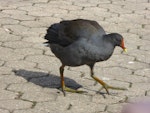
(52, 33)
(46, 44)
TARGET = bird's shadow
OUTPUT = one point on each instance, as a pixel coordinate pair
(45, 79)
(50, 80)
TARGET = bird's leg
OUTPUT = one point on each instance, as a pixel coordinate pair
(61, 69)
(104, 85)
(98, 80)
(64, 88)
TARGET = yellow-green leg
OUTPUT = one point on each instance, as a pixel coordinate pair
(104, 85)
(64, 88)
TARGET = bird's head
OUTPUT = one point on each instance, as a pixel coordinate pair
(118, 40)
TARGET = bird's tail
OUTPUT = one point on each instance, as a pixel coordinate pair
(52, 33)
(47, 44)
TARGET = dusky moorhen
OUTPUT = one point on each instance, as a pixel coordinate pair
(78, 42)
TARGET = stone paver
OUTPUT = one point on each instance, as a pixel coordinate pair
(15, 104)
(9, 37)
(4, 111)
(7, 95)
(29, 71)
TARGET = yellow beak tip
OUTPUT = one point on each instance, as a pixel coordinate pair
(125, 50)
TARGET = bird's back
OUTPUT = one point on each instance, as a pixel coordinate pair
(66, 32)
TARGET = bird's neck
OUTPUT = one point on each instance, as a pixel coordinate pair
(108, 40)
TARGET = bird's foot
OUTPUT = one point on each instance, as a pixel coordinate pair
(106, 87)
(67, 89)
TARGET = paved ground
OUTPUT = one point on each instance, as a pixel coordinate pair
(29, 75)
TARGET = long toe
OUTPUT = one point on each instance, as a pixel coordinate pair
(67, 89)
(106, 87)
(117, 88)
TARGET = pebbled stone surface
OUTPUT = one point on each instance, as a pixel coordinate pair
(29, 71)
(15, 104)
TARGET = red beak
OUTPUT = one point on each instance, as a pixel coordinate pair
(122, 45)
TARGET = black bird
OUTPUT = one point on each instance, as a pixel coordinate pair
(82, 42)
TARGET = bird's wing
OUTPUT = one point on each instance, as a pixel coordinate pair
(54, 35)
(81, 28)
(98, 27)
(66, 32)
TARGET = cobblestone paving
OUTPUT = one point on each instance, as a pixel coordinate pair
(29, 76)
